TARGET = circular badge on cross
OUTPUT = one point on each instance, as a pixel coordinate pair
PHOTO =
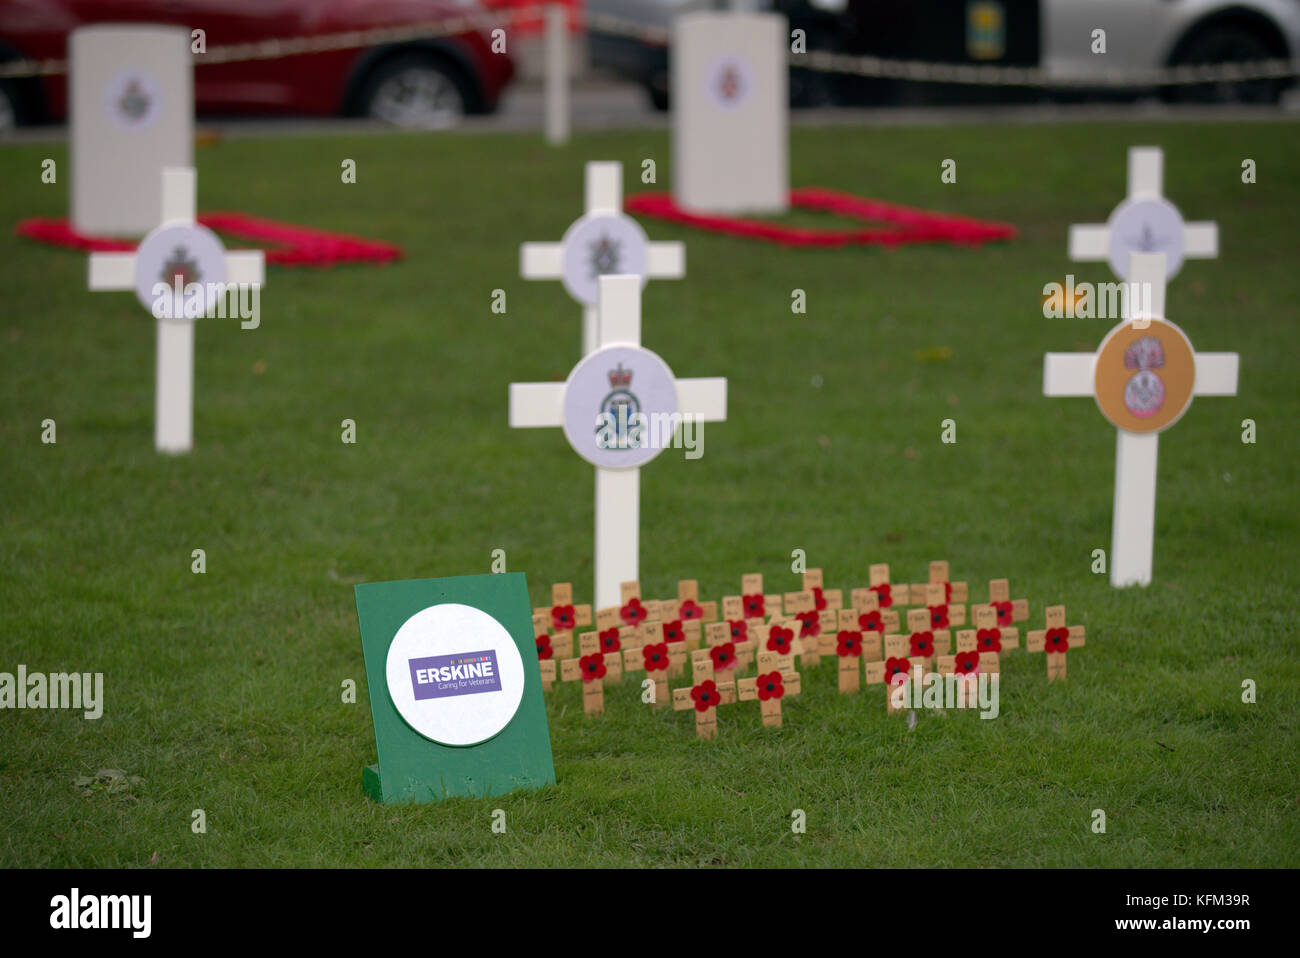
(598, 244)
(1143, 378)
(620, 407)
(1147, 225)
(454, 674)
(184, 254)
(728, 81)
(133, 99)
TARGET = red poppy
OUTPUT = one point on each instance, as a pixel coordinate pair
(592, 666)
(1058, 640)
(811, 624)
(989, 640)
(947, 592)
(724, 656)
(544, 650)
(754, 606)
(894, 668)
(850, 643)
(562, 617)
(634, 613)
(882, 594)
(673, 631)
(818, 598)
(690, 609)
(923, 644)
(967, 662)
(938, 616)
(871, 622)
(1004, 612)
(609, 641)
(705, 695)
(739, 629)
(656, 656)
(779, 639)
(769, 686)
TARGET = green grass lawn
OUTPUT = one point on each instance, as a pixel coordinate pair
(223, 690)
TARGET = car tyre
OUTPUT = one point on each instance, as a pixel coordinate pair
(1230, 43)
(415, 91)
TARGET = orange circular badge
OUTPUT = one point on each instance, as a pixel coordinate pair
(1143, 378)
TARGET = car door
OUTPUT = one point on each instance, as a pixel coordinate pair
(1131, 29)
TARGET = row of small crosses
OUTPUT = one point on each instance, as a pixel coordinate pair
(657, 636)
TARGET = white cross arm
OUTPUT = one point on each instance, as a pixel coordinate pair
(705, 398)
(1216, 374)
(1068, 374)
(541, 260)
(179, 196)
(533, 405)
(1201, 240)
(603, 187)
(1089, 242)
(112, 271)
(665, 260)
(246, 267)
(1146, 168)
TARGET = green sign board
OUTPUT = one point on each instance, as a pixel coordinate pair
(455, 690)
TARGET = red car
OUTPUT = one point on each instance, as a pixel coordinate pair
(417, 83)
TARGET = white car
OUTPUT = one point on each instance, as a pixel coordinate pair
(1145, 34)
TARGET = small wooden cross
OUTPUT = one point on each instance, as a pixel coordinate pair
(591, 670)
(965, 662)
(849, 648)
(871, 618)
(925, 641)
(1008, 610)
(780, 637)
(824, 599)
(988, 638)
(769, 687)
(724, 633)
(689, 608)
(943, 614)
(565, 616)
(1055, 640)
(890, 667)
(888, 595)
(655, 658)
(751, 605)
(704, 696)
(953, 591)
(551, 647)
(718, 662)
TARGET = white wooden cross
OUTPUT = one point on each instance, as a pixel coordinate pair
(1145, 222)
(1143, 376)
(631, 379)
(603, 241)
(175, 253)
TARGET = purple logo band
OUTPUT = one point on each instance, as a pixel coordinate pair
(465, 673)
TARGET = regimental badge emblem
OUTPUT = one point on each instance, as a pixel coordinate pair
(1147, 241)
(180, 267)
(604, 256)
(730, 84)
(134, 103)
(1144, 394)
(618, 409)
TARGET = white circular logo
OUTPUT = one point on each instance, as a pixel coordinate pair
(601, 244)
(620, 407)
(133, 99)
(1146, 226)
(729, 81)
(184, 254)
(455, 674)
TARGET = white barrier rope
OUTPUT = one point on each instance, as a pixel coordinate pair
(820, 61)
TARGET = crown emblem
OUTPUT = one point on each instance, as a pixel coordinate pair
(134, 103)
(180, 267)
(620, 378)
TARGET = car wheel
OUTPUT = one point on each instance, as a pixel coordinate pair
(1226, 44)
(415, 91)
